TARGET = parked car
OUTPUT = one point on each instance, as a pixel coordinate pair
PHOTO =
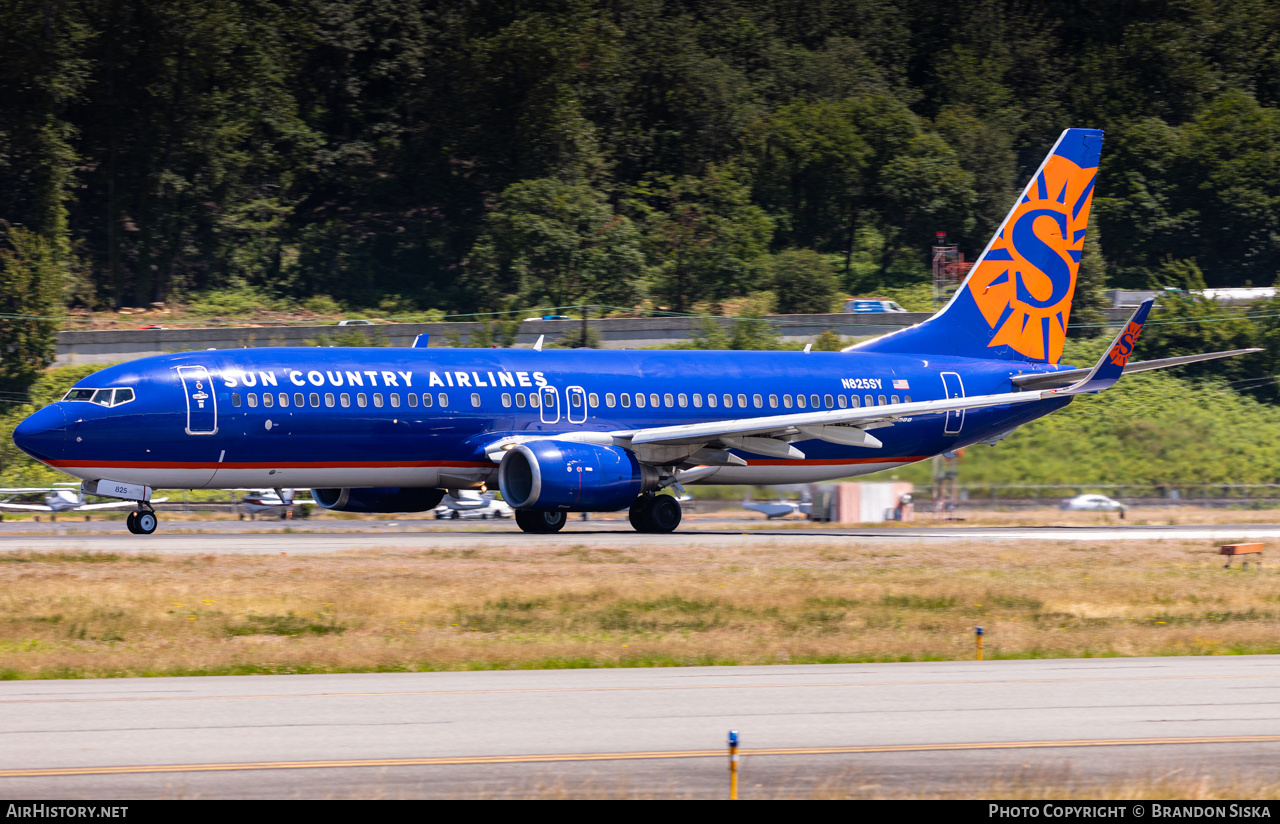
(552, 317)
(864, 306)
(1092, 503)
(355, 323)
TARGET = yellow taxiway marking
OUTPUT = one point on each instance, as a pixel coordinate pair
(665, 688)
(629, 756)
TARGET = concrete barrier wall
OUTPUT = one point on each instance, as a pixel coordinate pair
(615, 333)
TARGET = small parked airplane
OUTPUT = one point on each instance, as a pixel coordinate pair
(779, 508)
(65, 497)
(260, 501)
(470, 503)
(599, 430)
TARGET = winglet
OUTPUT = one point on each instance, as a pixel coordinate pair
(1111, 365)
(422, 341)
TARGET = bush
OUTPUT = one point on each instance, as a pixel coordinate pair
(803, 281)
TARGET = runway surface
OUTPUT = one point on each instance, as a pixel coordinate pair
(887, 728)
(273, 537)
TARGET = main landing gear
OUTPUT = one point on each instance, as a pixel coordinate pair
(655, 513)
(142, 521)
(541, 521)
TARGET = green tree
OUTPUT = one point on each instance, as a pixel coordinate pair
(706, 238)
(560, 243)
(31, 281)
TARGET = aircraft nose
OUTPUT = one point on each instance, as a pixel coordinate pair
(43, 435)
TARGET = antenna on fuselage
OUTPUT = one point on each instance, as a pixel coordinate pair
(807, 347)
(537, 347)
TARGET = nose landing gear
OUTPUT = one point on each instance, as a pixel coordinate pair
(142, 521)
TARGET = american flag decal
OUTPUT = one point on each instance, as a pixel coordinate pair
(901, 385)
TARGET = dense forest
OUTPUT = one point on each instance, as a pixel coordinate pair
(468, 155)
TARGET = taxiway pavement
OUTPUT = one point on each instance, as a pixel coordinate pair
(885, 728)
(274, 537)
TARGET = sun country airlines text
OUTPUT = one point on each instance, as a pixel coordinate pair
(233, 378)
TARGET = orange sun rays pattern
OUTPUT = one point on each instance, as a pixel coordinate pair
(1024, 284)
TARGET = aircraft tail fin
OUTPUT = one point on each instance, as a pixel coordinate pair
(1016, 301)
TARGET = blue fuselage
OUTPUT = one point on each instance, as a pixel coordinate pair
(348, 417)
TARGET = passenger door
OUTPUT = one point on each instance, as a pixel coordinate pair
(202, 403)
(954, 388)
(576, 411)
(549, 406)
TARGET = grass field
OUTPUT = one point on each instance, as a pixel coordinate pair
(661, 604)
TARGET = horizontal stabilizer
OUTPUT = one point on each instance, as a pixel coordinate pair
(1048, 380)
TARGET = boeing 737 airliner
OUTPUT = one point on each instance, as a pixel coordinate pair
(390, 430)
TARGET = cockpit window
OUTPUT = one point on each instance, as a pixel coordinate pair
(102, 397)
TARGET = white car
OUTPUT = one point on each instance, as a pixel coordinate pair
(1092, 503)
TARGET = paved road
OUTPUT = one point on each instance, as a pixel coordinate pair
(271, 537)
(908, 728)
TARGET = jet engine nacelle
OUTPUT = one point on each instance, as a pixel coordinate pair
(379, 499)
(578, 477)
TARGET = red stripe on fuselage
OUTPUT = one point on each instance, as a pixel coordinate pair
(260, 465)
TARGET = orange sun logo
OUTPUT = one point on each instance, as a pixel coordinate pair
(1024, 283)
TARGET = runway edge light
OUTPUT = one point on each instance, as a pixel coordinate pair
(733, 765)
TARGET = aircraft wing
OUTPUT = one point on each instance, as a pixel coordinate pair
(849, 426)
(27, 507)
(26, 490)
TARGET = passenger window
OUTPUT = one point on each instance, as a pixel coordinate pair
(520, 400)
(853, 401)
(126, 395)
(814, 403)
(866, 401)
(829, 401)
(711, 401)
(667, 400)
(361, 400)
(413, 399)
(697, 400)
(728, 401)
(742, 402)
(253, 399)
(843, 401)
(800, 402)
(549, 398)
(298, 400)
(443, 398)
(395, 399)
(506, 399)
(235, 399)
(315, 399)
(377, 399)
(653, 399)
(427, 399)
(908, 399)
(639, 400)
(328, 399)
(773, 401)
(894, 399)
(284, 400)
(575, 400)
(625, 397)
(533, 400)
(475, 399)
(881, 399)
(609, 399)
(102, 397)
(786, 401)
(683, 400)
(346, 400)
(758, 401)
(594, 400)
(268, 400)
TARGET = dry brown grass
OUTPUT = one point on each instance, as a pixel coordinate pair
(663, 603)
